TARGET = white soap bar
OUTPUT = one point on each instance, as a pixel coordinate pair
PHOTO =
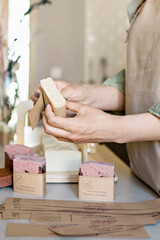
(53, 96)
(61, 156)
(61, 161)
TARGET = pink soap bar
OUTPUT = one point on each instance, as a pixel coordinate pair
(6, 178)
(29, 164)
(97, 169)
(12, 150)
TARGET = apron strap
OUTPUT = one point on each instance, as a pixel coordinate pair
(133, 20)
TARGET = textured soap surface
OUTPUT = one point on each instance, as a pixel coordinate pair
(29, 164)
(97, 169)
(6, 178)
(12, 150)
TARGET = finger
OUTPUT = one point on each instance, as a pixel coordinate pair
(63, 135)
(63, 139)
(59, 122)
(57, 132)
(61, 84)
(67, 92)
(74, 107)
(37, 91)
(49, 112)
(38, 94)
(34, 98)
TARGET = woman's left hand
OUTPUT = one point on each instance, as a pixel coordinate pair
(89, 124)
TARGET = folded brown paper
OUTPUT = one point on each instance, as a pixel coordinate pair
(29, 230)
(79, 218)
(35, 113)
(14, 215)
(96, 188)
(30, 184)
(132, 208)
(1, 210)
(75, 218)
(91, 230)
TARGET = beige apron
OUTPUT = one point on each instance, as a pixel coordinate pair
(143, 88)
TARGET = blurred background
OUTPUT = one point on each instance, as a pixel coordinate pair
(80, 41)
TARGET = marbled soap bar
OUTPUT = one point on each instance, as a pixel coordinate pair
(29, 164)
(97, 169)
(6, 178)
(12, 150)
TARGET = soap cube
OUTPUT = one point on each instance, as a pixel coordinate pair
(12, 150)
(61, 156)
(97, 169)
(29, 175)
(6, 178)
(29, 164)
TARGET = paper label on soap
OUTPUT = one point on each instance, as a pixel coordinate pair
(34, 115)
(30, 184)
(96, 188)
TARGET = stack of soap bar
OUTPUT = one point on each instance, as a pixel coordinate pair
(97, 169)
(5, 177)
(29, 175)
(12, 150)
(96, 181)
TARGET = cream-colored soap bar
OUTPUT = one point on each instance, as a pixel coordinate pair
(61, 156)
(53, 96)
(64, 160)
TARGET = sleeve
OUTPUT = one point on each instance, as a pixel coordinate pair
(117, 81)
(155, 109)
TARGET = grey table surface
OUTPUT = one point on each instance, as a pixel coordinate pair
(128, 189)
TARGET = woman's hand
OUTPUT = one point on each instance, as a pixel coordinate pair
(89, 124)
(103, 97)
(71, 92)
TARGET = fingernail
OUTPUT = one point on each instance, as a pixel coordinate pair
(41, 114)
(37, 94)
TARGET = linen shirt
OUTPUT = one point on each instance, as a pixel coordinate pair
(118, 80)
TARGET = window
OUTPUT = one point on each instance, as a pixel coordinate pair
(20, 30)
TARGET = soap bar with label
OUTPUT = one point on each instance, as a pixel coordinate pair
(52, 95)
(6, 178)
(29, 175)
(97, 169)
(29, 164)
(12, 150)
